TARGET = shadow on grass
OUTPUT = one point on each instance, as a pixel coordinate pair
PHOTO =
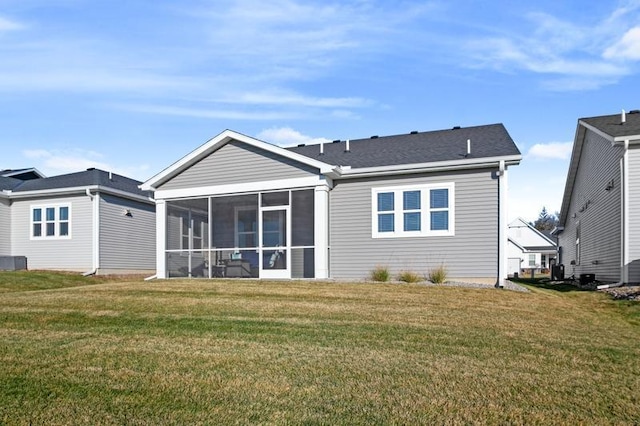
(544, 283)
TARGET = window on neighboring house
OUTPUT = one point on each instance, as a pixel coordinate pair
(532, 260)
(50, 221)
(413, 211)
(543, 260)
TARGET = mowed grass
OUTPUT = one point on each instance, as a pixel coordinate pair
(247, 352)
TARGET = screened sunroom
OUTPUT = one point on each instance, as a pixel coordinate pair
(257, 235)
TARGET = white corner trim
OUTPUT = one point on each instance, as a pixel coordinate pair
(270, 185)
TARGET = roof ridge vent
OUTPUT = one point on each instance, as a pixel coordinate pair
(336, 141)
(300, 145)
(414, 132)
(455, 127)
(634, 111)
(374, 137)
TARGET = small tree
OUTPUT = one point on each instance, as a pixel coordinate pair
(546, 221)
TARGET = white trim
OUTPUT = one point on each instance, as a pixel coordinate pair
(161, 239)
(269, 185)
(425, 211)
(96, 231)
(275, 273)
(218, 142)
(20, 172)
(321, 232)
(474, 163)
(56, 221)
(503, 225)
(625, 214)
(78, 189)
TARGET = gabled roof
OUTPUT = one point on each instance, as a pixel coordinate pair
(610, 127)
(408, 152)
(521, 223)
(218, 142)
(613, 128)
(488, 141)
(90, 178)
(22, 174)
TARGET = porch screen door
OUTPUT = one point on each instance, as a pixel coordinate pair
(274, 260)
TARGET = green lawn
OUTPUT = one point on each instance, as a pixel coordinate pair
(104, 351)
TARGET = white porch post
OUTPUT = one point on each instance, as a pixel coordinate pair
(502, 224)
(321, 231)
(161, 238)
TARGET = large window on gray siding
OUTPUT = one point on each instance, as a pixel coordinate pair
(52, 221)
(413, 211)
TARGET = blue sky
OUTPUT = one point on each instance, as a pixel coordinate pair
(133, 86)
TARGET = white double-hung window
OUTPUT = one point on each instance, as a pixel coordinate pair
(51, 221)
(413, 211)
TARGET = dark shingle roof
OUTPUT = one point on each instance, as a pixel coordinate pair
(415, 148)
(7, 183)
(613, 126)
(90, 177)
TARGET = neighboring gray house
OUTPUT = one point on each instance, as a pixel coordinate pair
(241, 207)
(528, 249)
(93, 221)
(599, 228)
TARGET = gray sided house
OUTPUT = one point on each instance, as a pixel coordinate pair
(241, 207)
(92, 221)
(599, 229)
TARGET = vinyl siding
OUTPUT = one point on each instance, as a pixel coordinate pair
(600, 218)
(126, 242)
(73, 254)
(238, 163)
(5, 227)
(634, 213)
(471, 253)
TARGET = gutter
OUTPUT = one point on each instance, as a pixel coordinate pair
(79, 189)
(345, 172)
(152, 277)
(96, 234)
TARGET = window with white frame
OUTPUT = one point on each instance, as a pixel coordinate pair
(413, 211)
(532, 260)
(51, 221)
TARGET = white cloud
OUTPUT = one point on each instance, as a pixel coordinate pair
(627, 48)
(55, 162)
(551, 151)
(9, 25)
(286, 136)
(566, 50)
(209, 113)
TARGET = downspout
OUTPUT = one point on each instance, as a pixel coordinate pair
(502, 224)
(624, 276)
(96, 233)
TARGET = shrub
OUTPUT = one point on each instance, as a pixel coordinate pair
(438, 275)
(380, 273)
(409, 277)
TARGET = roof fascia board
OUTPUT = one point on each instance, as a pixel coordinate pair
(345, 173)
(23, 171)
(620, 140)
(249, 187)
(78, 190)
(218, 142)
(581, 133)
(597, 131)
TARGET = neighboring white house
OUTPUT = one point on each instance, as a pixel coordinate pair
(240, 207)
(92, 221)
(599, 227)
(528, 249)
